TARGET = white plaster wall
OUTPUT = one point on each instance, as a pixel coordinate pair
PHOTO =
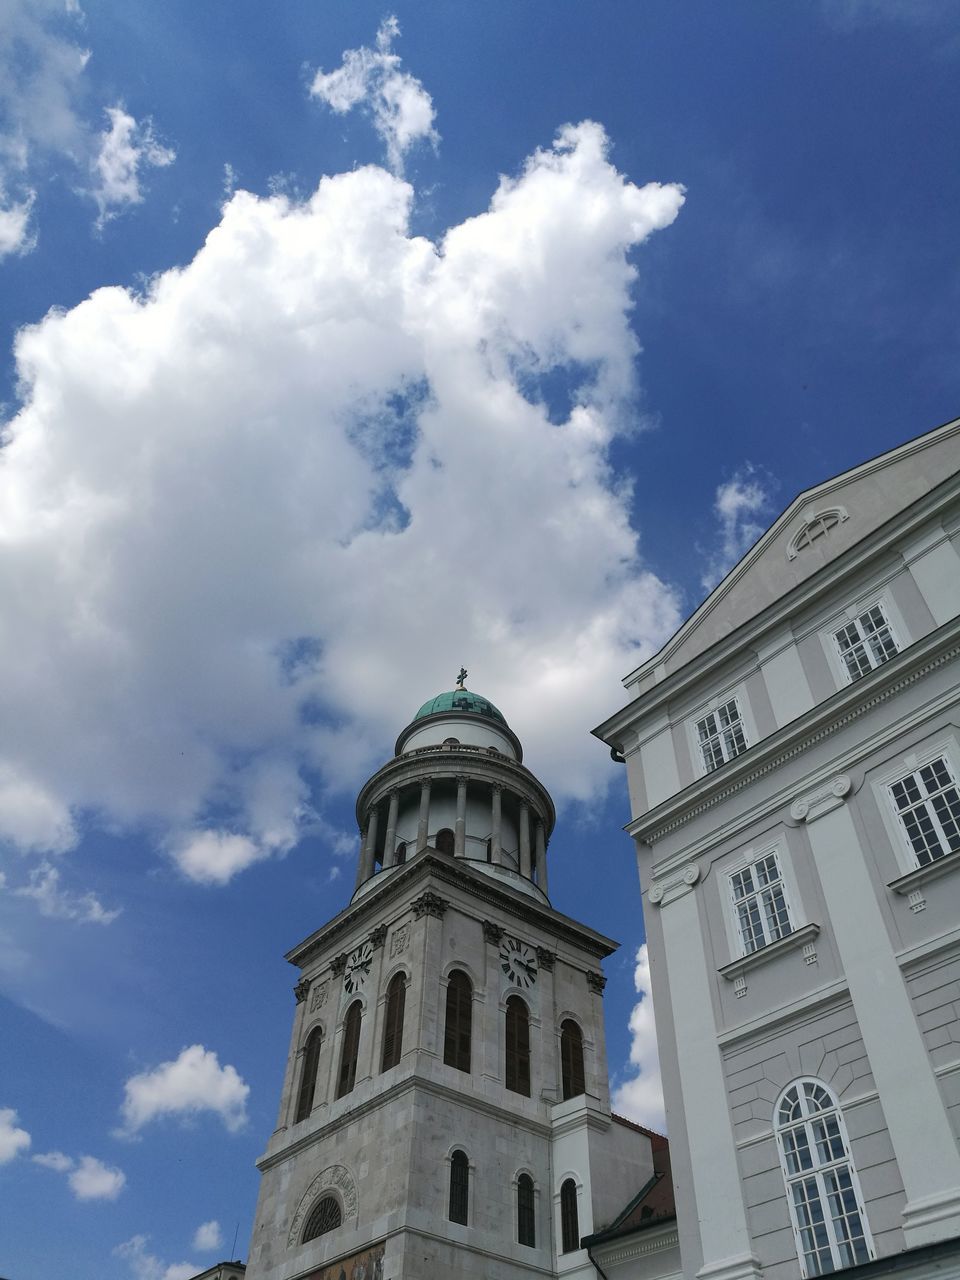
(473, 731)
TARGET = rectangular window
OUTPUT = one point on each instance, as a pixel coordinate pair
(760, 903)
(928, 804)
(866, 642)
(720, 735)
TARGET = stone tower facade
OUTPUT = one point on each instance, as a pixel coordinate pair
(445, 1107)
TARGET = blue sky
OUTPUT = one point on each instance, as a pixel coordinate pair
(495, 343)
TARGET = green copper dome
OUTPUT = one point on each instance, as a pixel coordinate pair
(460, 700)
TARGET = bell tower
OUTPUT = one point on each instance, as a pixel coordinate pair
(445, 1107)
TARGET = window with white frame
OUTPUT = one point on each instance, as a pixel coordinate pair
(760, 903)
(826, 1206)
(720, 735)
(928, 805)
(866, 642)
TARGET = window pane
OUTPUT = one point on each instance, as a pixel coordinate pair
(457, 1028)
(526, 1224)
(569, 1225)
(459, 1187)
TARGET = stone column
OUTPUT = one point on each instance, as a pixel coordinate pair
(460, 830)
(370, 844)
(423, 826)
(724, 1233)
(541, 856)
(390, 840)
(496, 794)
(525, 868)
(360, 852)
(910, 1096)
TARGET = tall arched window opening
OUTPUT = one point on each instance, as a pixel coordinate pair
(526, 1218)
(457, 1028)
(350, 1050)
(459, 1187)
(445, 841)
(569, 1222)
(571, 1059)
(325, 1217)
(393, 1023)
(517, 1074)
(308, 1074)
(400, 856)
(822, 1189)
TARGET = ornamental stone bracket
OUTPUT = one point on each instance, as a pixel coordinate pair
(674, 885)
(302, 990)
(378, 937)
(546, 959)
(429, 904)
(336, 1178)
(338, 964)
(596, 982)
(815, 804)
(492, 932)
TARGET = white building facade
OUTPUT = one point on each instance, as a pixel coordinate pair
(445, 1109)
(793, 758)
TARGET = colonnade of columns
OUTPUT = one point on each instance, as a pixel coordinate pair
(533, 856)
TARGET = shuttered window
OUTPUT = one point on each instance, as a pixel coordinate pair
(571, 1059)
(569, 1223)
(351, 1047)
(517, 1074)
(459, 1187)
(325, 1217)
(393, 1023)
(308, 1075)
(526, 1219)
(457, 1028)
(445, 841)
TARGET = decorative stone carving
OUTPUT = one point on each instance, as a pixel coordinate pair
(546, 959)
(399, 940)
(320, 992)
(917, 901)
(809, 953)
(430, 904)
(334, 1176)
(492, 932)
(740, 987)
(674, 885)
(379, 936)
(301, 990)
(816, 803)
(596, 982)
(338, 964)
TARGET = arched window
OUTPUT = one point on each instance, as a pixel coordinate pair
(526, 1218)
(569, 1222)
(457, 1028)
(393, 1023)
(350, 1049)
(489, 850)
(829, 1223)
(571, 1059)
(445, 841)
(517, 1074)
(400, 856)
(459, 1187)
(308, 1075)
(326, 1216)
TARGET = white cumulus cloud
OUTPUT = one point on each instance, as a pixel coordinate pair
(43, 887)
(54, 1160)
(194, 1082)
(253, 517)
(640, 1098)
(208, 1235)
(401, 108)
(740, 506)
(147, 1266)
(126, 148)
(94, 1180)
(13, 1139)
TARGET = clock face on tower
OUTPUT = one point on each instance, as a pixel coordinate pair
(358, 966)
(518, 962)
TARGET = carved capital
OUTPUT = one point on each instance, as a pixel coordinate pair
(429, 904)
(674, 885)
(815, 804)
(596, 981)
(379, 936)
(302, 990)
(546, 959)
(492, 932)
(496, 786)
(338, 964)
(462, 779)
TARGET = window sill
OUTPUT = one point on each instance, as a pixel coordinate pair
(800, 937)
(920, 875)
